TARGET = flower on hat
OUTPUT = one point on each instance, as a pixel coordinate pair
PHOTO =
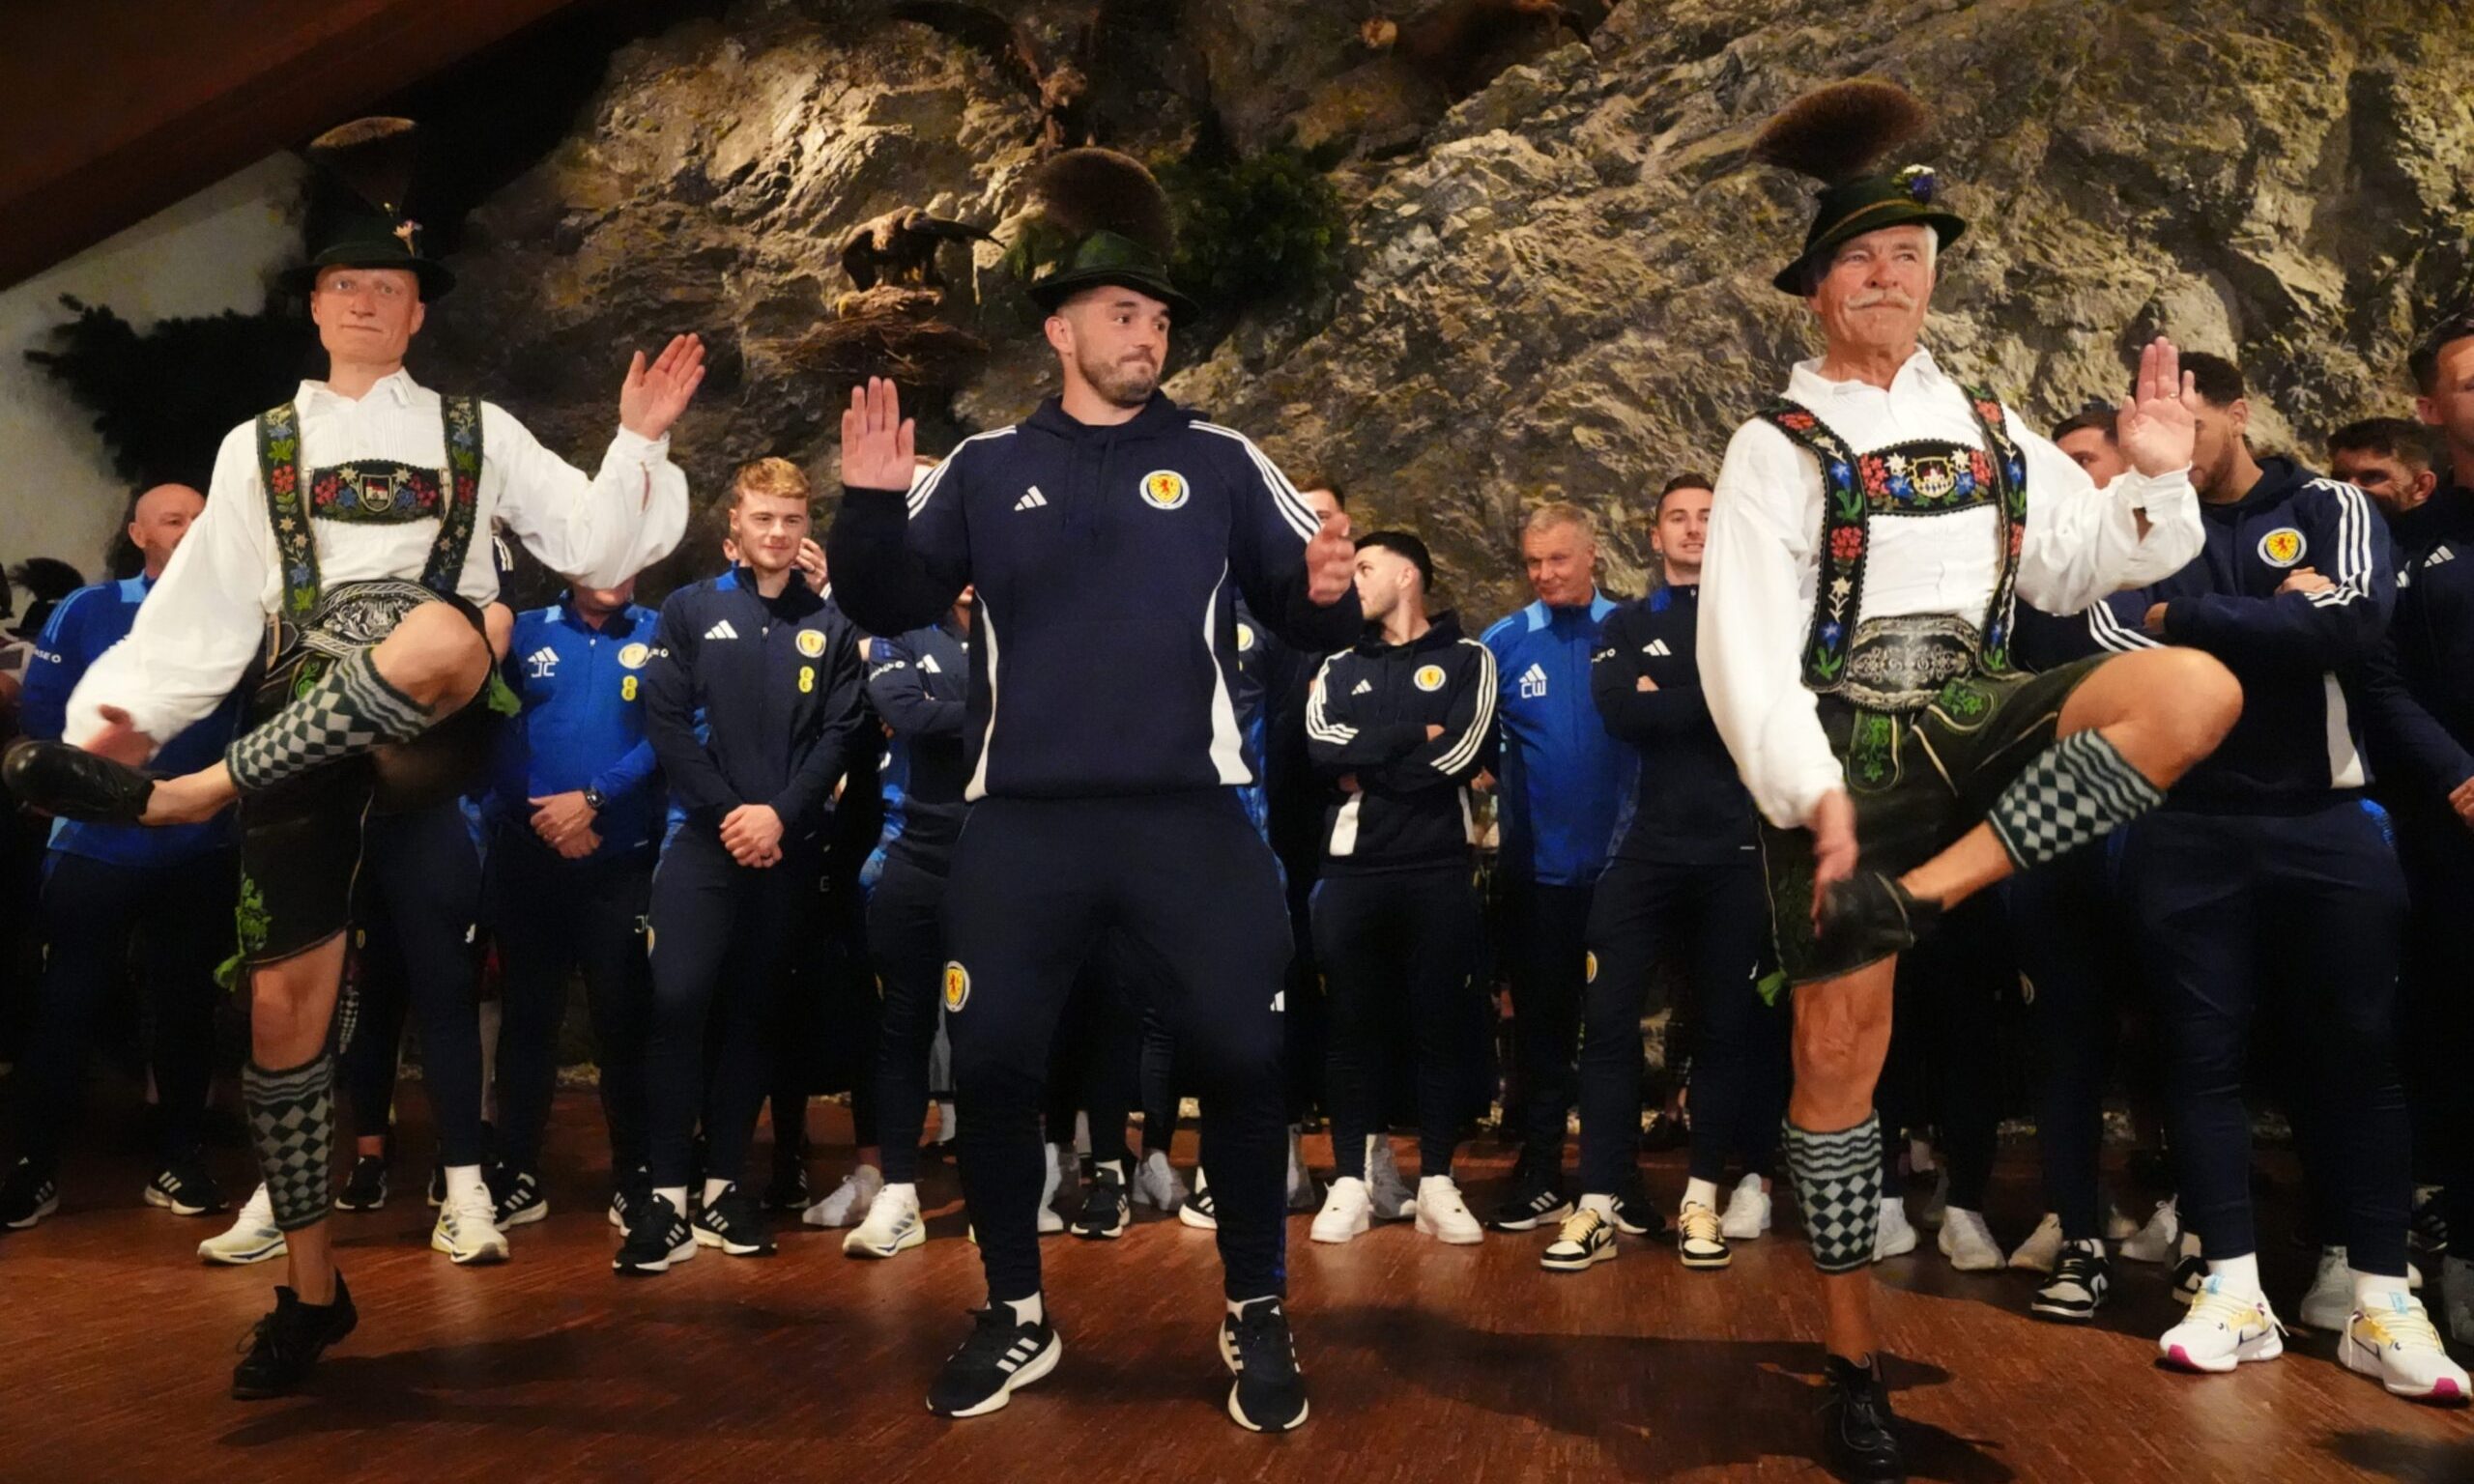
(1920, 182)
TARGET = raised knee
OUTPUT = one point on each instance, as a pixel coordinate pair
(2207, 699)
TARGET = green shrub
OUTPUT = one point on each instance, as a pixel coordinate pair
(1257, 230)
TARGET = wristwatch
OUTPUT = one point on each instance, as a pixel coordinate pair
(594, 798)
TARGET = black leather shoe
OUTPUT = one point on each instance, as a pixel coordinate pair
(1868, 917)
(289, 1341)
(1859, 1434)
(74, 783)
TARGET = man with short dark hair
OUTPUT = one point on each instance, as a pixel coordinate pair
(1105, 536)
(2268, 852)
(1685, 882)
(104, 884)
(754, 705)
(2397, 461)
(1398, 725)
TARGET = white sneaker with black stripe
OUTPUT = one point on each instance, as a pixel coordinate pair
(2080, 1279)
(467, 1229)
(1199, 1211)
(1002, 1356)
(893, 1225)
(1587, 1240)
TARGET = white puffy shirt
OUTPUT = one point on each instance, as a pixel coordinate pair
(206, 618)
(1761, 566)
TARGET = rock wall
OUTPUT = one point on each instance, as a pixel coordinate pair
(1559, 269)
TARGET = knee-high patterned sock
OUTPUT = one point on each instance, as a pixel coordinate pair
(292, 1122)
(348, 710)
(1838, 1183)
(2075, 791)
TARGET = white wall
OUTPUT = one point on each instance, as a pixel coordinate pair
(215, 251)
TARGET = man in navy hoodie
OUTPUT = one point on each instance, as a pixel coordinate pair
(2267, 854)
(1108, 536)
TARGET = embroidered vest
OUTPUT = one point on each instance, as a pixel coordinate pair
(377, 491)
(1924, 478)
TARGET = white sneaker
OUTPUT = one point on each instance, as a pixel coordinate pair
(1587, 1239)
(253, 1237)
(1442, 1214)
(2222, 1332)
(1051, 1223)
(1896, 1237)
(1967, 1242)
(1748, 1214)
(2398, 1345)
(1157, 1182)
(1698, 1240)
(2159, 1241)
(1200, 1212)
(2456, 1290)
(2042, 1248)
(1936, 1204)
(2330, 1302)
(847, 1203)
(1302, 1193)
(467, 1229)
(1394, 1200)
(892, 1226)
(1349, 1211)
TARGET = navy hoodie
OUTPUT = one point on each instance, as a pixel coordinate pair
(1687, 804)
(915, 683)
(2423, 723)
(1107, 563)
(2299, 656)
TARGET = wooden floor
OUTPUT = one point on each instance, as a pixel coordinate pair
(1426, 1362)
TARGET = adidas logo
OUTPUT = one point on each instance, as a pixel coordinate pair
(1363, 687)
(928, 665)
(542, 663)
(1280, 1000)
(722, 630)
(2439, 555)
(1656, 647)
(1533, 682)
(1024, 1348)
(1033, 499)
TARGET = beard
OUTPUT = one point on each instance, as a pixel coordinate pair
(1123, 383)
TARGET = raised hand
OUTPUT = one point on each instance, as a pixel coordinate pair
(878, 445)
(652, 397)
(1331, 561)
(2158, 426)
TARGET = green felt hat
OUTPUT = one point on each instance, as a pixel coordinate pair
(1102, 220)
(373, 160)
(1838, 135)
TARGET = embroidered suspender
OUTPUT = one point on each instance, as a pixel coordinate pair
(1853, 487)
(296, 546)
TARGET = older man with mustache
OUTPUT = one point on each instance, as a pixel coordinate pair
(1870, 531)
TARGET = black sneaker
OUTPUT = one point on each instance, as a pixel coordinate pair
(788, 1190)
(184, 1189)
(1199, 1211)
(1107, 1209)
(657, 1236)
(1868, 917)
(2190, 1270)
(1634, 1216)
(1536, 1197)
(1001, 1356)
(1256, 1345)
(2428, 1233)
(1859, 1434)
(630, 1193)
(517, 1194)
(366, 1187)
(287, 1342)
(27, 1196)
(735, 1224)
(2080, 1278)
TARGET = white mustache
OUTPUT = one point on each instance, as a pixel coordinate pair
(1895, 298)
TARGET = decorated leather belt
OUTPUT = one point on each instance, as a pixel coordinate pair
(1901, 663)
